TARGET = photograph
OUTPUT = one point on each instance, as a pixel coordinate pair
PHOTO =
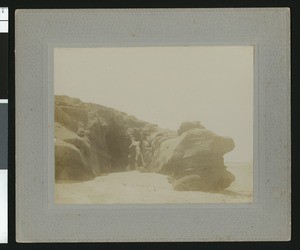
(153, 125)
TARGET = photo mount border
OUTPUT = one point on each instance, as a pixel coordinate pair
(263, 44)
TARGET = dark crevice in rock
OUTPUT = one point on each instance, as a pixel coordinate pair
(117, 143)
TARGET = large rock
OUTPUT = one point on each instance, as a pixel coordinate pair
(98, 133)
(186, 126)
(93, 139)
(195, 160)
(70, 163)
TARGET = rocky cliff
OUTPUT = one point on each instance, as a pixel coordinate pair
(91, 140)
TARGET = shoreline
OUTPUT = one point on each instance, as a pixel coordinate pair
(133, 187)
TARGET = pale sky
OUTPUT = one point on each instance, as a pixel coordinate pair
(167, 85)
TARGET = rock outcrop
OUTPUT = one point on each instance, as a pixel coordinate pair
(98, 133)
(91, 139)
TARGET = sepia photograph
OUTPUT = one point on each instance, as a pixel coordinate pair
(149, 125)
(152, 125)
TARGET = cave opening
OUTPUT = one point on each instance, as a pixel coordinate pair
(118, 142)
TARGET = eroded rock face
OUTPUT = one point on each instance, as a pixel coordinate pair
(195, 161)
(92, 139)
(186, 126)
(97, 133)
(70, 163)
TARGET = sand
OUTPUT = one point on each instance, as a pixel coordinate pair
(135, 187)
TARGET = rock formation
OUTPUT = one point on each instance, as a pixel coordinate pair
(91, 139)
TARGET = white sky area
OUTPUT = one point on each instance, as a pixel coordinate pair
(167, 85)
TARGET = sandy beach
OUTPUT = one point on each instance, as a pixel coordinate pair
(135, 187)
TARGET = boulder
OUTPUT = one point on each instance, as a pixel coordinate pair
(195, 160)
(186, 126)
(99, 133)
(70, 163)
